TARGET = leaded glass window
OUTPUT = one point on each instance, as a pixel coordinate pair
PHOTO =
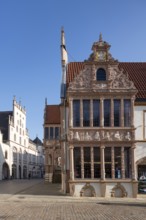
(101, 75)
(77, 162)
(96, 113)
(76, 113)
(86, 113)
(127, 113)
(107, 112)
(97, 172)
(117, 112)
(87, 162)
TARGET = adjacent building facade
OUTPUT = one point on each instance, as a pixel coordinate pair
(102, 125)
(19, 155)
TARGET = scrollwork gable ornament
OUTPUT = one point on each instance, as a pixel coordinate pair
(82, 81)
(120, 80)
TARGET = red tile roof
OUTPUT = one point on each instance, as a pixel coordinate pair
(52, 114)
(135, 70)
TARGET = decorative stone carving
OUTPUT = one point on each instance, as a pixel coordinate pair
(117, 136)
(119, 79)
(128, 136)
(97, 136)
(118, 191)
(88, 191)
(100, 135)
(82, 80)
(76, 136)
(87, 137)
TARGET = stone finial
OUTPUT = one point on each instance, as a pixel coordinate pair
(100, 37)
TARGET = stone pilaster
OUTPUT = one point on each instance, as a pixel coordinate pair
(112, 112)
(92, 163)
(122, 113)
(132, 111)
(81, 112)
(102, 162)
(82, 163)
(101, 113)
(113, 162)
(91, 113)
(71, 162)
(71, 112)
(133, 162)
(122, 163)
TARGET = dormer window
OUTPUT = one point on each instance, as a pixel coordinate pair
(101, 75)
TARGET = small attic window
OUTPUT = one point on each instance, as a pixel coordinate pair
(101, 75)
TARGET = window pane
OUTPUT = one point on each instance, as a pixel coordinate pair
(127, 113)
(117, 113)
(108, 163)
(86, 113)
(76, 113)
(117, 152)
(87, 162)
(101, 75)
(107, 112)
(56, 132)
(97, 173)
(96, 113)
(77, 162)
(127, 162)
(51, 133)
(46, 133)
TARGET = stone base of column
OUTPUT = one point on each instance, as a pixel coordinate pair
(48, 177)
(135, 188)
(103, 189)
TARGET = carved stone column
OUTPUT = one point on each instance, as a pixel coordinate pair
(101, 113)
(92, 163)
(81, 112)
(113, 162)
(82, 163)
(91, 113)
(132, 111)
(71, 162)
(122, 163)
(102, 162)
(71, 112)
(133, 162)
(122, 113)
(112, 112)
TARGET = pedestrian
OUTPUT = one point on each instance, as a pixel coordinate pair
(29, 176)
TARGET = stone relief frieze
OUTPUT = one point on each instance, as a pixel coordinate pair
(82, 81)
(100, 136)
(119, 80)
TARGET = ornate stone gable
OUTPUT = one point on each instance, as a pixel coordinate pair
(117, 79)
(82, 81)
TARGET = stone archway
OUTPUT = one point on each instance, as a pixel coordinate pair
(14, 171)
(141, 167)
(5, 171)
(19, 172)
(24, 172)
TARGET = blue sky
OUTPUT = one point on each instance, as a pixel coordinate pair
(30, 65)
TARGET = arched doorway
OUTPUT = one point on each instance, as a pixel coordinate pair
(14, 171)
(141, 167)
(5, 171)
(24, 172)
(19, 172)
